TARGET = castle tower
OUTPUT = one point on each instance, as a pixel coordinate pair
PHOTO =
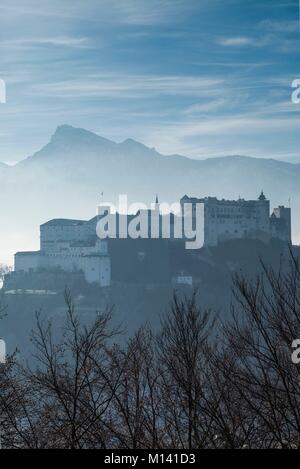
(281, 224)
(263, 214)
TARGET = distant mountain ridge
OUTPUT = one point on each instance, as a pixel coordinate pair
(66, 135)
(65, 179)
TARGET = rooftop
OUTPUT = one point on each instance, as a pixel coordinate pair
(64, 222)
(215, 200)
(28, 253)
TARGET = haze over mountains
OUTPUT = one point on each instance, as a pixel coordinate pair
(66, 177)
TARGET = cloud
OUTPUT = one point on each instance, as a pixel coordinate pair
(236, 41)
(207, 107)
(131, 86)
(173, 66)
(13, 10)
(131, 12)
(198, 137)
(243, 124)
(278, 35)
(280, 26)
(56, 41)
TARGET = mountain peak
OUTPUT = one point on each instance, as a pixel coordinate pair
(68, 134)
(66, 131)
(64, 128)
(131, 145)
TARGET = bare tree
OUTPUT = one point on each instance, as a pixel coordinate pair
(184, 346)
(135, 405)
(64, 398)
(266, 319)
(194, 385)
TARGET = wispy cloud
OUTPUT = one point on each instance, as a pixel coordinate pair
(187, 76)
(130, 86)
(278, 40)
(280, 26)
(207, 107)
(131, 12)
(57, 41)
(236, 41)
(195, 137)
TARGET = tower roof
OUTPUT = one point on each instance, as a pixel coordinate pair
(262, 196)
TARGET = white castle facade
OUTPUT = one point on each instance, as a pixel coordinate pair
(73, 245)
(238, 219)
(69, 245)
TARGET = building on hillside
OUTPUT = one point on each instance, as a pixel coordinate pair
(69, 245)
(238, 219)
(73, 245)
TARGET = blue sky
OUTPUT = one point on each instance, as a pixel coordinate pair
(198, 77)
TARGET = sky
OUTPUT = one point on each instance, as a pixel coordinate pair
(202, 78)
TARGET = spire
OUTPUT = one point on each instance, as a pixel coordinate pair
(262, 196)
(156, 200)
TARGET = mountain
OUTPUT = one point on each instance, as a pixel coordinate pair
(66, 177)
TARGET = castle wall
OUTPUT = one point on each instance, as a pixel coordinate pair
(26, 261)
(72, 245)
(235, 220)
(96, 269)
(58, 231)
(226, 219)
(281, 224)
(68, 256)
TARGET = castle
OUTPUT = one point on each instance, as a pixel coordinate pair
(237, 219)
(73, 245)
(69, 245)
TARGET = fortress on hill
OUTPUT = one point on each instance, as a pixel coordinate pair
(237, 219)
(73, 245)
